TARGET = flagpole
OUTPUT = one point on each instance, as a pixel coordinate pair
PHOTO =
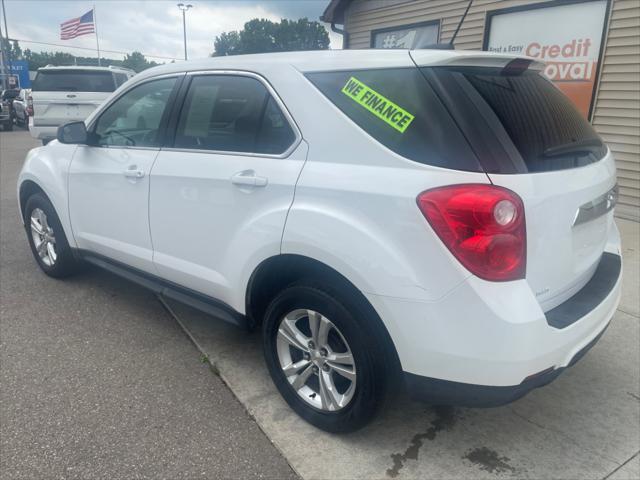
(95, 23)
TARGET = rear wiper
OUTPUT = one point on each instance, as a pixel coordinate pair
(587, 145)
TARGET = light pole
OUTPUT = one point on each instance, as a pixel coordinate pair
(184, 9)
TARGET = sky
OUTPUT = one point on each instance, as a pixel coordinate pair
(153, 27)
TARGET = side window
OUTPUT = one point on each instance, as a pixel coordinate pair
(275, 134)
(120, 78)
(398, 108)
(134, 119)
(232, 114)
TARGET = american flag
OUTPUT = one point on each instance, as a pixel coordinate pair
(77, 26)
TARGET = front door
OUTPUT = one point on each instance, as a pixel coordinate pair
(109, 179)
(220, 195)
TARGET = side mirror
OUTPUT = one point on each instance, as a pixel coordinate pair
(73, 133)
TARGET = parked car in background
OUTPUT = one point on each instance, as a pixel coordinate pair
(21, 107)
(438, 219)
(6, 119)
(63, 94)
(7, 113)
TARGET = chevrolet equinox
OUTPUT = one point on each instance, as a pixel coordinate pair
(429, 219)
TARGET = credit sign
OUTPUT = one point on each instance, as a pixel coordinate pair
(566, 37)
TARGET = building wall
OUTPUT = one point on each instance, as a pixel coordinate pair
(617, 105)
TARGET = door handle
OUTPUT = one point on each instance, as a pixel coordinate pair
(133, 172)
(248, 178)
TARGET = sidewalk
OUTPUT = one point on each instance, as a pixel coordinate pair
(584, 425)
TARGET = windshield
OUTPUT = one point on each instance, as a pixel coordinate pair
(534, 126)
(10, 94)
(73, 81)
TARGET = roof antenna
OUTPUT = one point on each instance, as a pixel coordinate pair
(464, 15)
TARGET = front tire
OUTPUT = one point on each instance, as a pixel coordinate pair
(324, 357)
(46, 237)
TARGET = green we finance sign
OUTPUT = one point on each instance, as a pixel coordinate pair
(379, 105)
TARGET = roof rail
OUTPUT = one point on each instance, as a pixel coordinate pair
(116, 67)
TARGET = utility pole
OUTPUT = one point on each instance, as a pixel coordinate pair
(184, 9)
(95, 23)
(6, 55)
(3, 59)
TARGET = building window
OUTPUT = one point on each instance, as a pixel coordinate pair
(419, 35)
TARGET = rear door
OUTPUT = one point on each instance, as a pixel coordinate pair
(531, 139)
(221, 192)
(64, 95)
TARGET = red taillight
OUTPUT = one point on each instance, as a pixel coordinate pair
(482, 225)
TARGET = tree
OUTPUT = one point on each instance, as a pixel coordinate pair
(260, 35)
(11, 48)
(137, 62)
(228, 43)
(16, 51)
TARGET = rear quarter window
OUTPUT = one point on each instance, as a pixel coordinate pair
(73, 81)
(399, 109)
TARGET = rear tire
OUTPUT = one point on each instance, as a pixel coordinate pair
(358, 389)
(46, 237)
(8, 126)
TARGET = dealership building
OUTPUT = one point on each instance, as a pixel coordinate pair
(591, 49)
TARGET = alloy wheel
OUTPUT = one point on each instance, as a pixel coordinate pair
(44, 239)
(316, 360)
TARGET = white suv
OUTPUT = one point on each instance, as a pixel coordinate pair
(64, 94)
(434, 219)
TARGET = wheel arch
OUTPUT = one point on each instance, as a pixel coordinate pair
(27, 189)
(45, 171)
(277, 272)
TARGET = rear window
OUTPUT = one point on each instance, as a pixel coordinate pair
(526, 109)
(399, 109)
(73, 81)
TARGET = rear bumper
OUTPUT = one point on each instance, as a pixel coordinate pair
(486, 343)
(442, 392)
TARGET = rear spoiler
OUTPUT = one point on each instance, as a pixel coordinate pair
(433, 58)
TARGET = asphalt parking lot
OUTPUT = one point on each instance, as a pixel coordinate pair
(98, 380)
